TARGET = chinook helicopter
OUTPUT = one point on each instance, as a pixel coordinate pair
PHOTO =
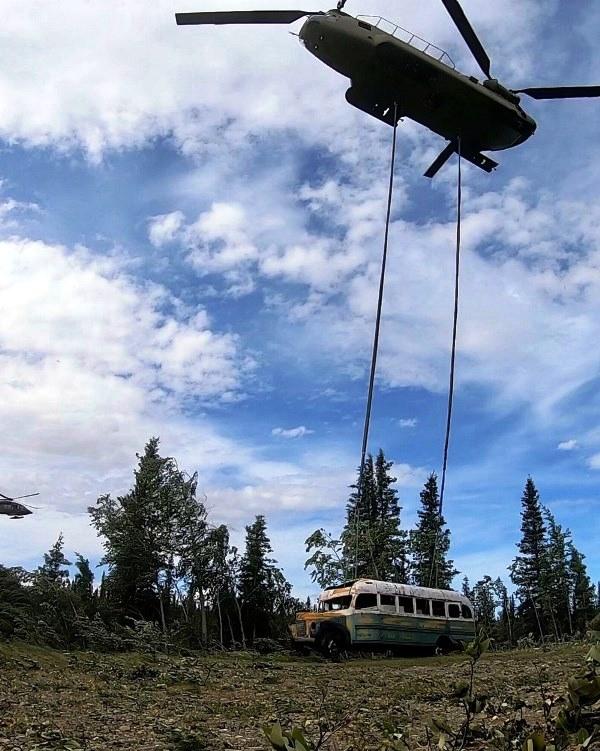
(392, 78)
(10, 507)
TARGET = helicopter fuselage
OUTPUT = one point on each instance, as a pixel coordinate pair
(385, 71)
(13, 509)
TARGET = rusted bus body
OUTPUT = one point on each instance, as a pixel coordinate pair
(372, 613)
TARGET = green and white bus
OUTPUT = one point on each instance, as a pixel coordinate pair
(370, 613)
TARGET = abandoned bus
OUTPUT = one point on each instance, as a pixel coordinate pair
(370, 613)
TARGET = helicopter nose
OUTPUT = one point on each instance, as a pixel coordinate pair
(310, 33)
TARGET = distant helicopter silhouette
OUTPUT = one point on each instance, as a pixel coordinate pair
(10, 507)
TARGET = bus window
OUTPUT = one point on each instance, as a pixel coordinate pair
(422, 606)
(387, 603)
(339, 603)
(406, 604)
(365, 600)
(466, 612)
(453, 610)
(439, 608)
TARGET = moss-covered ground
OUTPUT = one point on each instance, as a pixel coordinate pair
(84, 700)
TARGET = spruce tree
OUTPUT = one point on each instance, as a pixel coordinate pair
(554, 586)
(527, 569)
(256, 582)
(485, 600)
(391, 540)
(54, 560)
(83, 582)
(374, 544)
(357, 536)
(430, 542)
(582, 589)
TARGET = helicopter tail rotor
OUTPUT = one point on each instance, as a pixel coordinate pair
(242, 16)
(560, 92)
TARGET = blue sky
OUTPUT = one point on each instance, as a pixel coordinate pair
(191, 224)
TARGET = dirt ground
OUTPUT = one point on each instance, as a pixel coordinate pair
(84, 700)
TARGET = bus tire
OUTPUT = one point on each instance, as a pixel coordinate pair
(446, 644)
(332, 643)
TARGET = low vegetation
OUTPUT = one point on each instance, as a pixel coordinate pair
(520, 699)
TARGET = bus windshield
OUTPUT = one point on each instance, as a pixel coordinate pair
(336, 603)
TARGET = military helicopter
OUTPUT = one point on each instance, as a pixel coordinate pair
(391, 78)
(10, 507)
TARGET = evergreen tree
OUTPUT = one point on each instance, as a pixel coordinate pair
(373, 542)
(258, 581)
(527, 569)
(357, 536)
(52, 570)
(554, 585)
(142, 535)
(485, 602)
(221, 584)
(506, 621)
(430, 542)
(390, 540)
(582, 590)
(83, 582)
(466, 588)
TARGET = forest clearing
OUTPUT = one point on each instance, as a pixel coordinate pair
(99, 702)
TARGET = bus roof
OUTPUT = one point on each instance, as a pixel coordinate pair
(391, 588)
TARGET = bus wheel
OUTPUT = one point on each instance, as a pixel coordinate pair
(445, 645)
(332, 645)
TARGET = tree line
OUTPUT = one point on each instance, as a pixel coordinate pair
(170, 576)
(553, 594)
(164, 564)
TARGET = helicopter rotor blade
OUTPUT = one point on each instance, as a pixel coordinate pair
(241, 16)
(468, 34)
(560, 92)
(29, 495)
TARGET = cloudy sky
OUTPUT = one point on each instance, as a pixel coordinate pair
(191, 223)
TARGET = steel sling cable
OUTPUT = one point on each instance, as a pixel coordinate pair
(434, 566)
(375, 344)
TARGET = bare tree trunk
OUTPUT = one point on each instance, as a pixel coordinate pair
(239, 610)
(231, 630)
(203, 626)
(537, 617)
(508, 621)
(162, 619)
(220, 621)
(569, 614)
(553, 620)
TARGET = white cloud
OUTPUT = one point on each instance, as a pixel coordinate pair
(144, 78)
(219, 241)
(298, 432)
(92, 368)
(408, 422)
(569, 445)
(594, 461)
(164, 228)
(71, 317)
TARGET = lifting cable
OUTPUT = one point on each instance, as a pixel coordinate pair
(434, 567)
(375, 343)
